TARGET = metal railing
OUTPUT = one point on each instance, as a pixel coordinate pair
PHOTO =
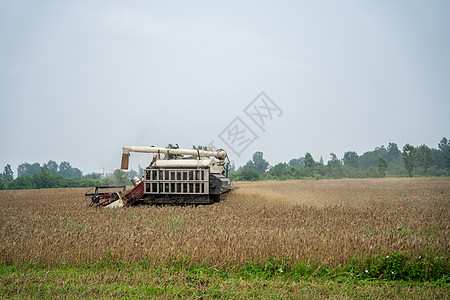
(176, 181)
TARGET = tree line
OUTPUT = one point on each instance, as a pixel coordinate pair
(54, 175)
(380, 162)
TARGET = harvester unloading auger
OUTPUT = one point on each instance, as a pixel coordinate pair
(200, 177)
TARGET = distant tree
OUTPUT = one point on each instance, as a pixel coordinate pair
(438, 159)
(309, 160)
(334, 162)
(382, 166)
(370, 158)
(44, 179)
(246, 174)
(2, 185)
(409, 158)
(8, 174)
(260, 164)
(77, 173)
(334, 166)
(321, 161)
(297, 162)
(249, 165)
(444, 146)
(424, 158)
(371, 172)
(279, 169)
(121, 177)
(22, 169)
(66, 170)
(23, 182)
(93, 176)
(394, 155)
(28, 169)
(118, 177)
(52, 166)
(351, 159)
(349, 172)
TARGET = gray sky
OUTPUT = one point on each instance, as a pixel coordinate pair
(81, 79)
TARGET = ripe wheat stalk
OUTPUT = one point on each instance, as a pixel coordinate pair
(323, 222)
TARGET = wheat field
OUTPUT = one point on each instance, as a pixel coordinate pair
(324, 222)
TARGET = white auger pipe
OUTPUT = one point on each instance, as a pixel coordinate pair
(221, 154)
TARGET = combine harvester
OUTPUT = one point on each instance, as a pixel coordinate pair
(185, 176)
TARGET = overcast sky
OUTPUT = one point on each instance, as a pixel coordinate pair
(81, 79)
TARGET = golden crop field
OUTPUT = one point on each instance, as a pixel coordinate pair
(323, 222)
